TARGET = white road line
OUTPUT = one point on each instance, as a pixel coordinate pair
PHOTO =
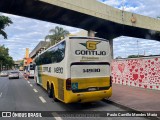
(42, 99)
(1, 94)
(31, 85)
(35, 90)
(28, 81)
(21, 73)
(56, 116)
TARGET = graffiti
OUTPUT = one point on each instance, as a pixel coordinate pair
(142, 72)
(121, 67)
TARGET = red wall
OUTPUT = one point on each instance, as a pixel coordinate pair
(142, 72)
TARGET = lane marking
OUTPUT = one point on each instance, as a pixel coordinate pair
(1, 94)
(31, 85)
(56, 116)
(42, 99)
(28, 81)
(35, 90)
(20, 73)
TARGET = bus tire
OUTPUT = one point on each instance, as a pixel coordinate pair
(54, 98)
(49, 91)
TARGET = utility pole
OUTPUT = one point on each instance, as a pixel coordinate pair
(123, 3)
(123, 6)
(125, 49)
(138, 47)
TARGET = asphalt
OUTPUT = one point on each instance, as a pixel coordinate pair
(135, 98)
(19, 95)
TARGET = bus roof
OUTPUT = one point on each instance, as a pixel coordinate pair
(92, 38)
(88, 38)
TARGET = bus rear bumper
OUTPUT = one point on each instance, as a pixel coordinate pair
(88, 96)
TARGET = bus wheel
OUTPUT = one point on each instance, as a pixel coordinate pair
(49, 91)
(54, 98)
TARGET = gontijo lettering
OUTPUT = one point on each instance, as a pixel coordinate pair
(88, 52)
(91, 47)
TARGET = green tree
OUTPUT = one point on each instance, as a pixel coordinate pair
(22, 62)
(4, 22)
(5, 59)
(57, 34)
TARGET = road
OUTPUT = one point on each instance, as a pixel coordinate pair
(25, 95)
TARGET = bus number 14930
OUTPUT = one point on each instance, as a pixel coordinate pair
(91, 70)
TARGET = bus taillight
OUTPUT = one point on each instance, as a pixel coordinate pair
(68, 84)
(110, 80)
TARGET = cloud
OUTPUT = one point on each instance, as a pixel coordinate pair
(143, 7)
(125, 46)
(112, 2)
(26, 33)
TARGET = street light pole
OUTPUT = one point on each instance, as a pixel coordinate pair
(138, 47)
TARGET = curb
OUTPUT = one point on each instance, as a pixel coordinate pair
(130, 109)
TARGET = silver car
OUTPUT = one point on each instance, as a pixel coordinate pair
(13, 74)
(4, 74)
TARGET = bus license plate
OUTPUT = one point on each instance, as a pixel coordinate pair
(92, 89)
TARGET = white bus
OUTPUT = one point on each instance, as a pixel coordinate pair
(76, 69)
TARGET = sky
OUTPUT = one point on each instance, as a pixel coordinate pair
(26, 33)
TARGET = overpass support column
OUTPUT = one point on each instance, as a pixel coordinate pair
(91, 33)
(111, 48)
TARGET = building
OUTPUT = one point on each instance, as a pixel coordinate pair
(42, 45)
(27, 59)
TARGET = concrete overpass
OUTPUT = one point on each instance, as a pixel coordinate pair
(86, 14)
(41, 46)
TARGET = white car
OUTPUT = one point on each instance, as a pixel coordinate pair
(4, 74)
(13, 74)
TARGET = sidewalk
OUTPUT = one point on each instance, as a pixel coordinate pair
(136, 98)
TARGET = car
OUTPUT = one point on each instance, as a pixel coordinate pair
(4, 74)
(13, 74)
